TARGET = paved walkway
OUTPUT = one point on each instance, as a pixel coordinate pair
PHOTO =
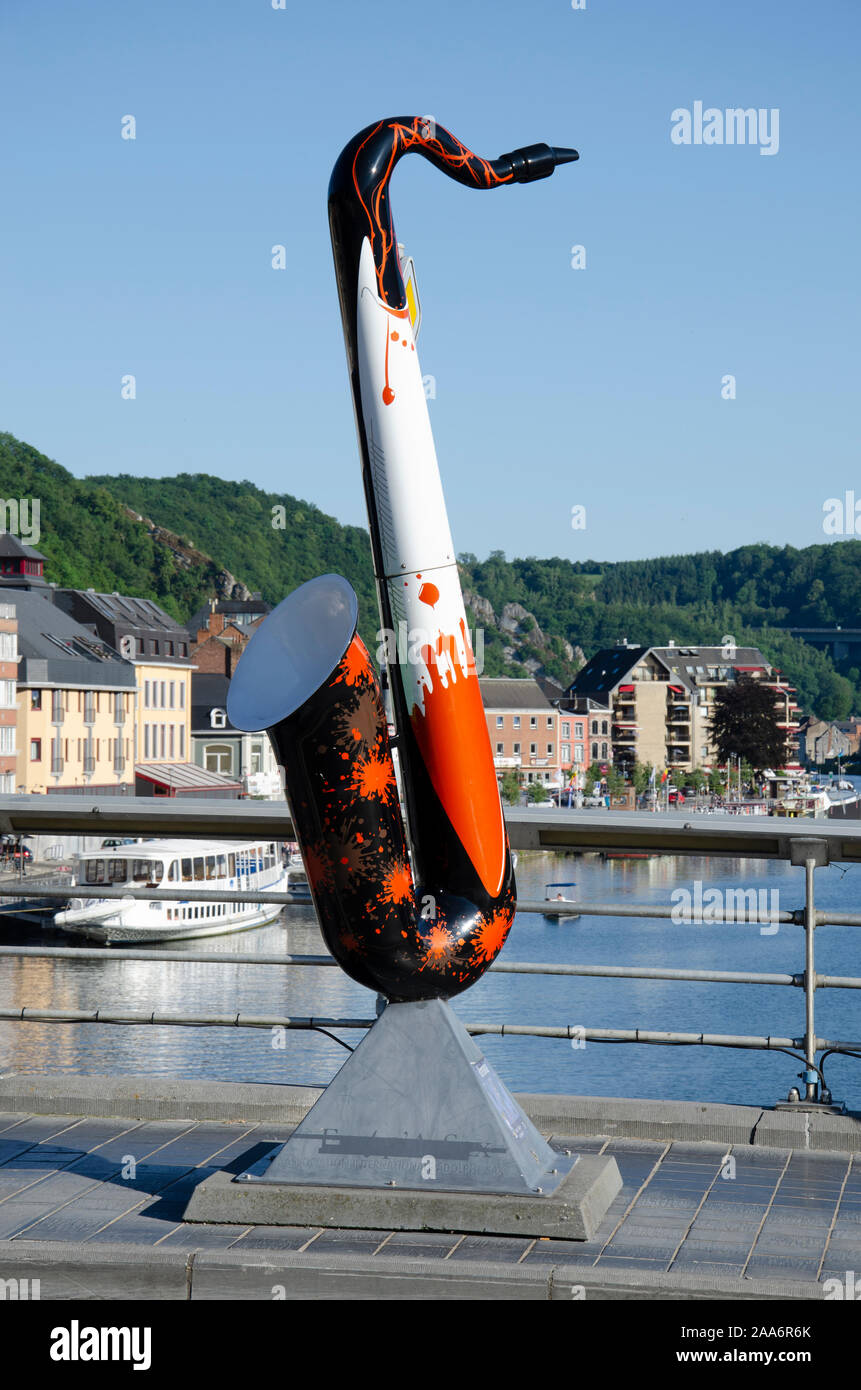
(777, 1222)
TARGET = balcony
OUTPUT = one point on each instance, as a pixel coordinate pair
(57, 765)
(57, 713)
(89, 714)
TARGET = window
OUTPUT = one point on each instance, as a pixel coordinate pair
(533, 749)
(566, 752)
(578, 730)
(603, 726)
(146, 694)
(89, 707)
(173, 694)
(499, 721)
(603, 750)
(533, 721)
(550, 750)
(517, 721)
(550, 721)
(182, 693)
(35, 699)
(499, 748)
(516, 748)
(218, 719)
(163, 693)
(257, 757)
(182, 740)
(172, 737)
(594, 726)
(146, 740)
(7, 694)
(57, 706)
(35, 750)
(578, 753)
(119, 708)
(218, 757)
(594, 752)
(566, 730)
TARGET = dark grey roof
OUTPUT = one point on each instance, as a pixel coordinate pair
(115, 616)
(12, 545)
(508, 692)
(119, 608)
(208, 692)
(55, 650)
(606, 669)
(683, 656)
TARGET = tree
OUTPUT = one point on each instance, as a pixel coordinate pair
(615, 782)
(642, 773)
(510, 787)
(744, 724)
(536, 791)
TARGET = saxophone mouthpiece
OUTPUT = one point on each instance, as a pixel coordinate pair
(532, 162)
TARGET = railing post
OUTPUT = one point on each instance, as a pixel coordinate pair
(811, 853)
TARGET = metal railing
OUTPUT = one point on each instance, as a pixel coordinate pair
(806, 843)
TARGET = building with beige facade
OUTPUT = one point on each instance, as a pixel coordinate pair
(158, 649)
(76, 704)
(658, 702)
(8, 696)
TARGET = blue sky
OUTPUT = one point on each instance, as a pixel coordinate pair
(554, 387)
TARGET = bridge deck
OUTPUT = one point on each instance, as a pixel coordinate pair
(92, 1206)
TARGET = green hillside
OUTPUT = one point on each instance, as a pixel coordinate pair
(180, 540)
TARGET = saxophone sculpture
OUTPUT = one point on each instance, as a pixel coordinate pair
(413, 904)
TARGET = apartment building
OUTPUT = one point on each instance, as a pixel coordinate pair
(76, 704)
(218, 747)
(8, 695)
(158, 649)
(528, 734)
(658, 702)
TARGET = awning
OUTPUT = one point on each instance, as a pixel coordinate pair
(183, 779)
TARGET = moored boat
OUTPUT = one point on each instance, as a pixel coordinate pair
(191, 865)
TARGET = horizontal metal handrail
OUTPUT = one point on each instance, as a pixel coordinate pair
(573, 1032)
(500, 967)
(759, 837)
(546, 908)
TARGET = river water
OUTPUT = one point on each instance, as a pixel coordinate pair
(526, 1064)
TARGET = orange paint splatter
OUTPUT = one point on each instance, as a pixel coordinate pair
(440, 947)
(490, 937)
(397, 884)
(373, 777)
(388, 393)
(429, 594)
(454, 741)
(354, 663)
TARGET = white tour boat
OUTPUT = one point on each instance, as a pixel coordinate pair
(202, 866)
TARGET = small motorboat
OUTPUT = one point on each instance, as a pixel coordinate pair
(557, 902)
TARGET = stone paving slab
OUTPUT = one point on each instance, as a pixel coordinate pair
(677, 1229)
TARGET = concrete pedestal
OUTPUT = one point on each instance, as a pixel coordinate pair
(417, 1132)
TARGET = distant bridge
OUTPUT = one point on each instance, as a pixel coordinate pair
(841, 642)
